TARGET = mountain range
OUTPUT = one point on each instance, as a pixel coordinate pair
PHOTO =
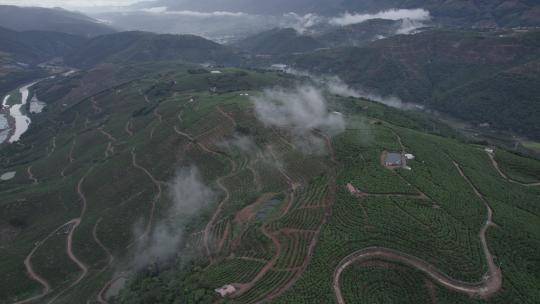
(51, 20)
(462, 13)
(288, 40)
(132, 47)
(487, 78)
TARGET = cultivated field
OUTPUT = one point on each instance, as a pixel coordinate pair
(96, 173)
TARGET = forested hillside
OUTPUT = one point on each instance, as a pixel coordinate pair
(480, 77)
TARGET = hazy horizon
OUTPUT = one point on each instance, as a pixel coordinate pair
(71, 4)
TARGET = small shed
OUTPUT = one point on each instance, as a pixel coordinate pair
(352, 189)
(409, 156)
(226, 290)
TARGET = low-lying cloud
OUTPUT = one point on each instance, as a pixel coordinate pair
(300, 111)
(190, 195)
(411, 19)
(336, 86)
(301, 23)
(244, 144)
(392, 14)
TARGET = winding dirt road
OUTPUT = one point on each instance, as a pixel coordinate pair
(101, 295)
(330, 200)
(157, 197)
(243, 288)
(157, 115)
(110, 257)
(183, 134)
(70, 158)
(256, 176)
(76, 223)
(31, 272)
(69, 248)
(214, 218)
(487, 287)
(95, 106)
(127, 128)
(298, 271)
(109, 136)
(31, 176)
(227, 115)
(53, 147)
(219, 182)
(501, 173)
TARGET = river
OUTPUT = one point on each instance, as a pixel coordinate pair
(4, 103)
(22, 122)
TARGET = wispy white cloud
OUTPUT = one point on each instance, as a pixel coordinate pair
(189, 195)
(301, 23)
(336, 86)
(300, 111)
(393, 14)
(411, 19)
(163, 10)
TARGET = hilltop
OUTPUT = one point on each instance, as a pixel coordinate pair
(167, 175)
(53, 20)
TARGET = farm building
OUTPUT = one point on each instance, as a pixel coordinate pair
(393, 160)
(352, 189)
(409, 156)
(226, 290)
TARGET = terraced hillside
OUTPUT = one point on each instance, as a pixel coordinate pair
(167, 176)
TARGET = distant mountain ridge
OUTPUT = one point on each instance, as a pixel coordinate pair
(480, 77)
(34, 47)
(134, 47)
(281, 41)
(278, 42)
(21, 52)
(52, 20)
(466, 13)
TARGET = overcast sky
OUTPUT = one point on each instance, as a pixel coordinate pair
(69, 3)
